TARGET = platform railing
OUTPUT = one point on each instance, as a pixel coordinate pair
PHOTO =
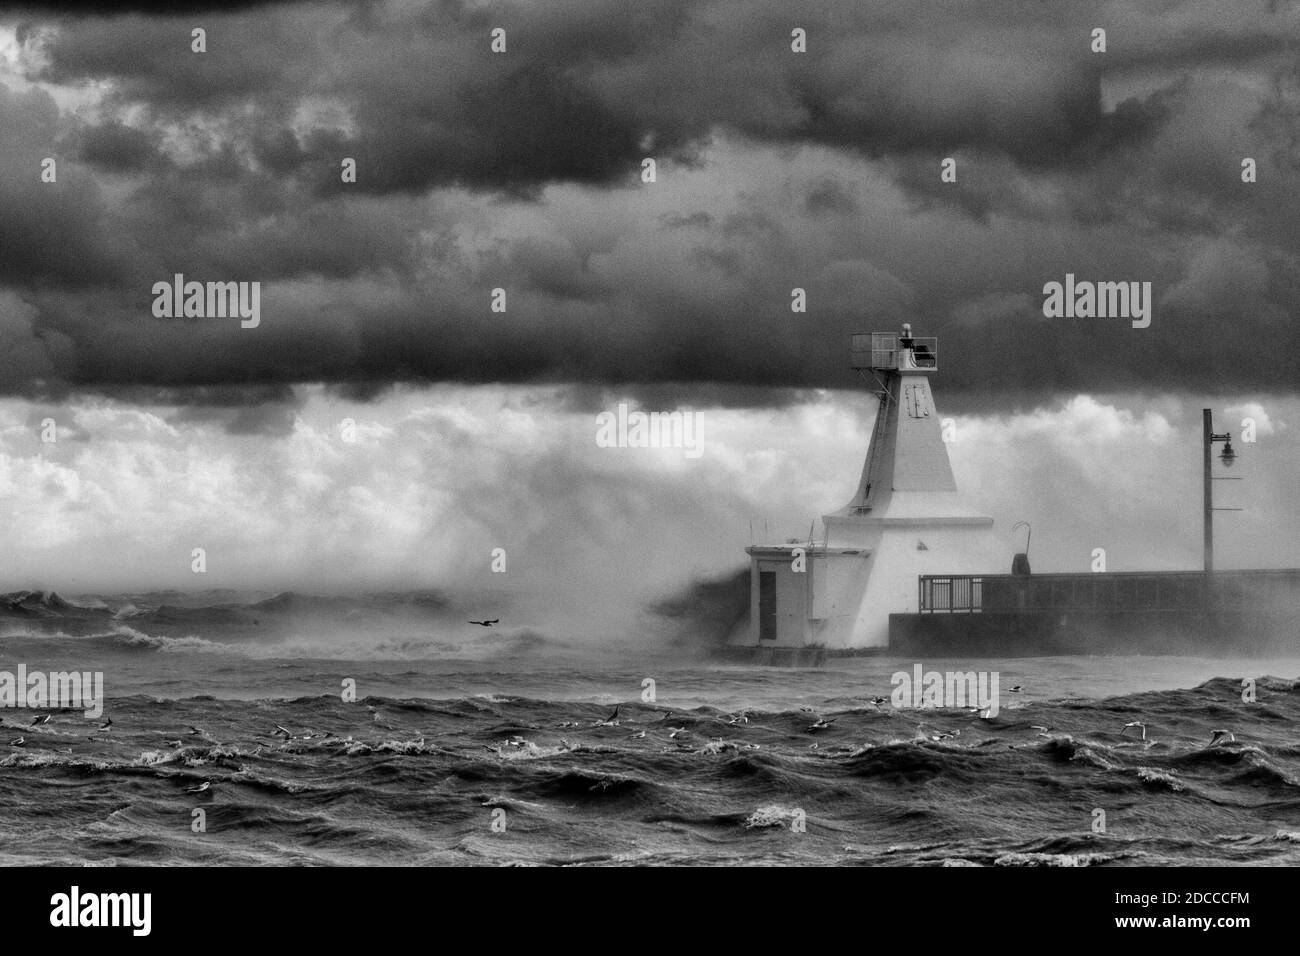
(879, 351)
(1115, 591)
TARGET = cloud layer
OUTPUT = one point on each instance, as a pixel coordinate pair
(522, 171)
(776, 170)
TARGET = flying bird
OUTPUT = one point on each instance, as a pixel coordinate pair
(40, 719)
(610, 721)
(495, 620)
(107, 724)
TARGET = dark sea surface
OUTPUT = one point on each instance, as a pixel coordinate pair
(457, 728)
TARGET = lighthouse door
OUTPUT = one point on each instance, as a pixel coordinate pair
(767, 605)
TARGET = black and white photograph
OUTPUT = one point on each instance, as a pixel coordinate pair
(691, 434)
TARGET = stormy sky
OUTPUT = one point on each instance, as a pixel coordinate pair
(522, 171)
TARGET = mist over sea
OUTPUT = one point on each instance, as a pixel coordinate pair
(474, 745)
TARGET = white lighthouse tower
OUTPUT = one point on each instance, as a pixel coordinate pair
(905, 519)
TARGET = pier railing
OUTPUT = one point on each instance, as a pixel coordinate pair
(1112, 591)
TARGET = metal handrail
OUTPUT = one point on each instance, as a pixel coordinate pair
(1113, 591)
(879, 350)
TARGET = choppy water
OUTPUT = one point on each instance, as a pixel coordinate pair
(449, 735)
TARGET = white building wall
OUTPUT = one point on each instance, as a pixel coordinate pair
(891, 586)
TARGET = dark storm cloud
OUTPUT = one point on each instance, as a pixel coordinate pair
(118, 148)
(586, 86)
(50, 232)
(226, 166)
(117, 8)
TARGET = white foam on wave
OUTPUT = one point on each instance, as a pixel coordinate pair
(50, 760)
(130, 637)
(1160, 778)
(527, 750)
(362, 646)
(771, 815)
(1052, 859)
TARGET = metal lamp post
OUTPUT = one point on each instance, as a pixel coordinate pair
(1228, 456)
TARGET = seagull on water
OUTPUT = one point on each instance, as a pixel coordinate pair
(822, 723)
(1216, 737)
(200, 788)
(175, 743)
(638, 735)
(18, 742)
(1016, 690)
(1135, 723)
(879, 700)
(674, 731)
